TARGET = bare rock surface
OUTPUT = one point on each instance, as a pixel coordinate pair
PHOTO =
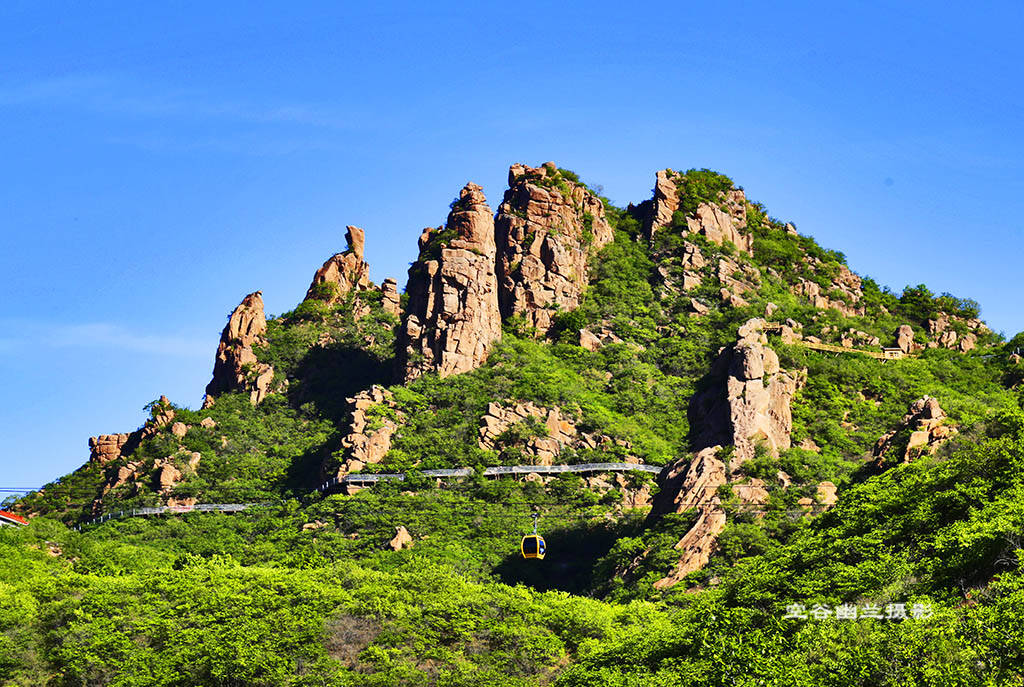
(905, 339)
(236, 367)
(369, 438)
(753, 404)
(720, 222)
(924, 428)
(402, 539)
(390, 301)
(344, 272)
(547, 226)
(453, 318)
(687, 485)
(560, 431)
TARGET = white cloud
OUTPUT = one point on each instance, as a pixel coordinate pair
(33, 335)
(109, 95)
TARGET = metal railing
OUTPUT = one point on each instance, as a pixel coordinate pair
(359, 479)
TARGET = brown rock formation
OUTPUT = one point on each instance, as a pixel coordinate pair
(924, 428)
(664, 203)
(827, 494)
(560, 431)
(710, 220)
(752, 492)
(546, 227)
(754, 404)
(368, 441)
(236, 367)
(343, 272)
(693, 485)
(391, 302)
(453, 317)
(905, 339)
(720, 225)
(109, 447)
(593, 341)
(402, 539)
(944, 336)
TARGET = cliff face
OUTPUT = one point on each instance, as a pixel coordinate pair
(546, 227)
(453, 317)
(236, 367)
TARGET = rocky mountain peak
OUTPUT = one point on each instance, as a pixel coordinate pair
(547, 225)
(721, 218)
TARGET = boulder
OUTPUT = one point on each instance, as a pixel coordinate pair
(905, 339)
(402, 539)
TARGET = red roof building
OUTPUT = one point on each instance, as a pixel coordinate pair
(9, 518)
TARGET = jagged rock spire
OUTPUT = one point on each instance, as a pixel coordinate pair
(452, 318)
(346, 271)
(236, 367)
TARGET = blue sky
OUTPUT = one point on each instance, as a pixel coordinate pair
(160, 162)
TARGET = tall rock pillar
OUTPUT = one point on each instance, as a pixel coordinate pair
(452, 318)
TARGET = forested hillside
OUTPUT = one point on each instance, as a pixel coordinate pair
(783, 472)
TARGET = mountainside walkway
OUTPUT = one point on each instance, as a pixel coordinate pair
(884, 354)
(368, 479)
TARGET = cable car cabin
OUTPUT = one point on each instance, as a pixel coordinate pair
(533, 546)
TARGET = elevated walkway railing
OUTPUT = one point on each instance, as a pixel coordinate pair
(368, 479)
(884, 354)
(358, 479)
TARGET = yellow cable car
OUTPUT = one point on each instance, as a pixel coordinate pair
(533, 545)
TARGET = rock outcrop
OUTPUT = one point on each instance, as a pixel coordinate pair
(106, 448)
(344, 272)
(753, 404)
(922, 430)
(390, 300)
(718, 222)
(560, 432)
(664, 203)
(402, 539)
(236, 367)
(453, 317)
(546, 227)
(843, 293)
(943, 330)
(693, 485)
(369, 438)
